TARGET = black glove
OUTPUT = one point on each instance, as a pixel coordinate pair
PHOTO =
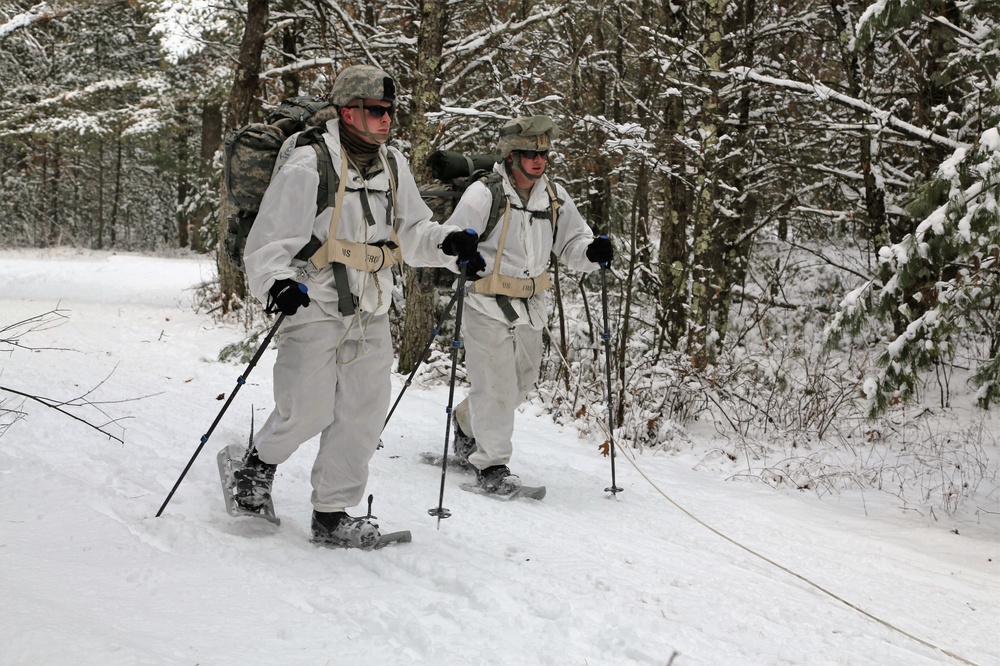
(600, 251)
(461, 244)
(475, 265)
(464, 244)
(286, 296)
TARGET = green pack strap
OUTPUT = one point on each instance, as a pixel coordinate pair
(505, 306)
(327, 175)
(494, 184)
(393, 173)
(366, 208)
(326, 196)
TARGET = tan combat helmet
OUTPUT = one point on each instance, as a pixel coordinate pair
(362, 82)
(527, 133)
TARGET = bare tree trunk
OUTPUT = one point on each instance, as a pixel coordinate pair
(54, 209)
(628, 293)
(557, 296)
(183, 182)
(290, 80)
(242, 105)
(877, 230)
(673, 253)
(100, 194)
(117, 196)
(77, 205)
(419, 317)
(211, 140)
(738, 235)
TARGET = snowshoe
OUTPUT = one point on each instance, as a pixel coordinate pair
(253, 482)
(339, 530)
(522, 492)
(463, 446)
(242, 496)
(498, 482)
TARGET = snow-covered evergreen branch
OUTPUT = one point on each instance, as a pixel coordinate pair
(823, 92)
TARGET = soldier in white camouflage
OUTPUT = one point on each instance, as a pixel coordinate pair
(332, 372)
(505, 314)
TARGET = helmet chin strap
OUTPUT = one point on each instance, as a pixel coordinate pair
(374, 138)
(516, 164)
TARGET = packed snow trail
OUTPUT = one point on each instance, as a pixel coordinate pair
(89, 576)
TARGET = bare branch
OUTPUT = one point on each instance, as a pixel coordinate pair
(9, 334)
(56, 406)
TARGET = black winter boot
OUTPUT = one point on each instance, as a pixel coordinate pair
(464, 446)
(252, 491)
(498, 480)
(338, 530)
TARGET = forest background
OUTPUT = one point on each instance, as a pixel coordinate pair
(802, 196)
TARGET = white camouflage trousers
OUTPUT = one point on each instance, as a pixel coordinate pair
(502, 362)
(331, 377)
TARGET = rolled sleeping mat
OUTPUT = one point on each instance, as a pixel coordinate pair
(448, 165)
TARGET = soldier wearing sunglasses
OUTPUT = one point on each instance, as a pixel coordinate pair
(505, 314)
(332, 372)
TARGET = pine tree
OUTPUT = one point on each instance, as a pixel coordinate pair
(944, 279)
(80, 118)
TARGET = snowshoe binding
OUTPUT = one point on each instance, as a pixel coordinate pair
(338, 530)
(498, 482)
(246, 483)
(462, 448)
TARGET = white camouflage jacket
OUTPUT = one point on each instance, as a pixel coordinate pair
(287, 220)
(529, 241)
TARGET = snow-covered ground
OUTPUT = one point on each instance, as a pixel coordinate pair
(682, 568)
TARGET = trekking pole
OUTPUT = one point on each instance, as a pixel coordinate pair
(240, 381)
(420, 360)
(456, 342)
(606, 336)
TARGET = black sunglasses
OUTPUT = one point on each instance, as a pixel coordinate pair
(532, 154)
(379, 111)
